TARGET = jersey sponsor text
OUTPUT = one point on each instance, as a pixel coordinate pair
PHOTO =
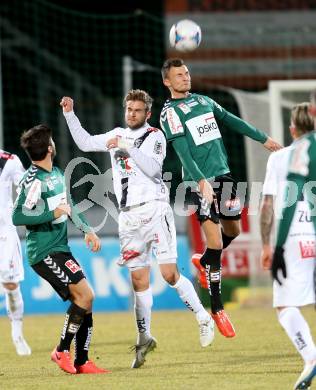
(203, 128)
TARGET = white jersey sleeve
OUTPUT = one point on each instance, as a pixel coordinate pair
(84, 140)
(270, 185)
(11, 172)
(150, 158)
(17, 170)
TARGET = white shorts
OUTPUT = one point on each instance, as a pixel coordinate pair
(11, 264)
(298, 287)
(145, 231)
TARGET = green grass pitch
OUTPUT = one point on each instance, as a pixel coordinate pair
(259, 357)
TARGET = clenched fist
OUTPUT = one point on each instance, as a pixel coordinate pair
(67, 104)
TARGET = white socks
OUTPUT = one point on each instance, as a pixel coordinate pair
(142, 309)
(298, 331)
(190, 298)
(15, 309)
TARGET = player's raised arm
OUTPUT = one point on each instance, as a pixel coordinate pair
(240, 126)
(84, 140)
(18, 171)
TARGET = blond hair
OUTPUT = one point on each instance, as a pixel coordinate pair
(139, 95)
(301, 118)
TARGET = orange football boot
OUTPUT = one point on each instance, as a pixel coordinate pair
(90, 368)
(63, 360)
(223, 323)
(201, 274)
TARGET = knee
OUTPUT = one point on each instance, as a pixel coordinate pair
(10, 286)
(83, 298)
(171, 277)
(140, 281)
(140, 285)
(214, 241)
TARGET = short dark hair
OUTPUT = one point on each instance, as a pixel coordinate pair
(36, 141)
(140, 95)
(170, 63)
(301, 118)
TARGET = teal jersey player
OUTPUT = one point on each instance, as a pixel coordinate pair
(297, 289)
(43, 208)
(301, 173)
(192, 124)
(40, 192)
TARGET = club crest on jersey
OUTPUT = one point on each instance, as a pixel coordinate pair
(138, 142)
(202, 100)
(184, 108)
(72, 266)
(120, 154)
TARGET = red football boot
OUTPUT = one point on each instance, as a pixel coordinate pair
(200, 269)
(63, 359)
(90, 368)
(223, 323)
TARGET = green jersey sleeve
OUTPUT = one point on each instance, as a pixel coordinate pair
(232, 122)
(29, 207)
(76, 217)
(171, 124)
(79, 220)
(289, 210)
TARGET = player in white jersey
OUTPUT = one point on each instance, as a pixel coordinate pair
(146, 223)
(11, 265)
(297, 289)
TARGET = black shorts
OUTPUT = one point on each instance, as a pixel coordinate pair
(60, 269)
(226, 203)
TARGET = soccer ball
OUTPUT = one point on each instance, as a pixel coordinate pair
(185, 35)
